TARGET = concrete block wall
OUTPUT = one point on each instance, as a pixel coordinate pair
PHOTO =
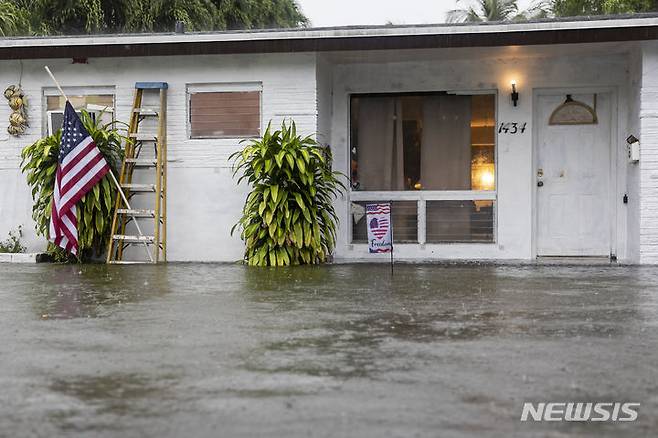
(649, 155)
(203, 199)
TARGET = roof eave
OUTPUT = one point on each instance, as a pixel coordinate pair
(337, 39)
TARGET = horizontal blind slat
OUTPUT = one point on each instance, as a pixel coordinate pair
(224, 114)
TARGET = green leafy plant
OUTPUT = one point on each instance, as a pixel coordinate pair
(288, 218)
(95, 209)
(13, 243)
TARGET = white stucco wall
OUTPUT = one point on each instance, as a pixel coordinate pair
(533, 69)
(203, 199)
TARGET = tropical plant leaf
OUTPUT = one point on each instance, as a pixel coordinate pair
(291, 178)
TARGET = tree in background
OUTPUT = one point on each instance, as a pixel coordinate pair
(13, 19)
(565, 8)
(45, 17)
(507, 10)
(494, 10)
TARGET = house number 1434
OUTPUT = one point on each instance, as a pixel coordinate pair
(512, 128)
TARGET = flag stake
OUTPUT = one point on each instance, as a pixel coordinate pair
(114, 178)
(391, 203)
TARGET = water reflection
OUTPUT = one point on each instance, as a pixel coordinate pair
(96, 402)
(353, 314)
(88, 291)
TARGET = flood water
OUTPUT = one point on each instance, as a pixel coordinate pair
(189, 350)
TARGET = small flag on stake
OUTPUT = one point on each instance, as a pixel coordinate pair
(380, 234)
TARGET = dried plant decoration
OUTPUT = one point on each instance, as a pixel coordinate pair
(573, 112)
(18, 122)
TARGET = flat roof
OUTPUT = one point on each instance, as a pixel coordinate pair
(636, 27)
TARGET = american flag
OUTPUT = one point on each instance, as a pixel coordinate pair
(80, 166)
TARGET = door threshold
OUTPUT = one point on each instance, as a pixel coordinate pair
(575, 260)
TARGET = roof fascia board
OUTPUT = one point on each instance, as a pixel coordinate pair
(338, 33)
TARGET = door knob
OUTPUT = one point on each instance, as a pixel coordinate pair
(540, 183)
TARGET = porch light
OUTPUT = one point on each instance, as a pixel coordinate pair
(515, 94)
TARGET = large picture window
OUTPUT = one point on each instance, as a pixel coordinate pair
(423, 142)
(435, 151)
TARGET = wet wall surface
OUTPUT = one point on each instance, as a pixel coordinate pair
(223, 350)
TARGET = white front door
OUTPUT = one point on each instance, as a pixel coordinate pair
(573, 181)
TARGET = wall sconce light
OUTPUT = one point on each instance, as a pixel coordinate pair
(633, 149)
(515, 94)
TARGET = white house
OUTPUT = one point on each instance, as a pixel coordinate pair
(423, 116)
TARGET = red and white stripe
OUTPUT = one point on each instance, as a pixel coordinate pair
(81, 169)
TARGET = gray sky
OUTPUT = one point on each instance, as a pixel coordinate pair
(346, 12)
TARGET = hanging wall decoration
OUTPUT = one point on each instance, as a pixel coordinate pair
(573, 112)
(18, 118)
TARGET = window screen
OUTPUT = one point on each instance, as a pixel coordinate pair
(99, 106)
(225, 114)
(460, 221)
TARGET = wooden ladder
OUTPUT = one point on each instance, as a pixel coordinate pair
(138, 162)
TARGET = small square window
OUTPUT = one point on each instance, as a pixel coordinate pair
(225, 114)
(99, 106)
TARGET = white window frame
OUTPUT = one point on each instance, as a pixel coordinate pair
(221, 87)
(77, 91)
(423, 196)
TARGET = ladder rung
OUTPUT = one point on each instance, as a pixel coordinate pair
(145, 111)
(137, 162)
(134, 239)
(139, 187)
(136, 213)
(144, 137)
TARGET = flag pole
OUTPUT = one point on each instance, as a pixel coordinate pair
(114, 178)
(56, 83)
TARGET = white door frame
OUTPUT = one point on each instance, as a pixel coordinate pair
(613, 187)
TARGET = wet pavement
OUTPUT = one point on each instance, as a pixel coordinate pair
(346, 350)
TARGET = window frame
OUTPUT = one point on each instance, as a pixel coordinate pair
(423, 196)
(222, 87)
(93, 90)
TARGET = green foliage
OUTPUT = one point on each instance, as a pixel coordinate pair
(568, 8)
(13, 19)
(13, 243)
(484, 10)
(288, 218)
(95, 209)
(44, 17)
(508, 10)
